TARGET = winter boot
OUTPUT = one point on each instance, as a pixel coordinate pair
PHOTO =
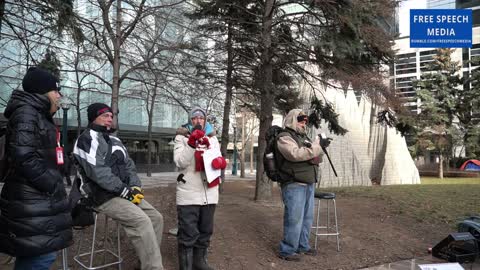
(200, 259)
(185, 258)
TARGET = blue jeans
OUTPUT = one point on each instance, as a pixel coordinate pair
(41, 262)
(298, 217)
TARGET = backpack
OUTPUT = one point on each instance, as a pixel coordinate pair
(471, 225)
(82, 211)
(270, 157)
(3, 153)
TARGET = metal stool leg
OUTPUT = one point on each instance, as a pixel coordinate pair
(118, 245)
(328, 219)
(105, 240)
(65, 259)
(118, 260)
(336, 225)
(80, 242)
(93, 241)
(317, 226)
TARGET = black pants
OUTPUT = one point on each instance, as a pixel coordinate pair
(195, 225)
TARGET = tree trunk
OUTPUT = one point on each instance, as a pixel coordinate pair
(228, 100)
(116, 65)
(77, 108)
(2, 12)
(242, 153)
(440, 166)
(149, 136)
(150, 108)
(149, 153)
(468, 152)
(263, 188)
(252, 152)
(79, 91)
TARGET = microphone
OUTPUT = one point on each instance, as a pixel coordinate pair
(197, 127)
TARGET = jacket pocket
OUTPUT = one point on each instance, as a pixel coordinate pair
(301, 174)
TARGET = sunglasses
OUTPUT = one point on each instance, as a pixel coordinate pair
(302, 118)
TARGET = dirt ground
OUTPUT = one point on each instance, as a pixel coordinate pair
(247, 233)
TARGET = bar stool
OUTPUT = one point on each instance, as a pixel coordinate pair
(328, 228)
(105, 249)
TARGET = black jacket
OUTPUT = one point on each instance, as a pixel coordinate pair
(35, 217)
(104, 164)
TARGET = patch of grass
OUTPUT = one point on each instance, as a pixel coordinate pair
(448, 181)
(447, 200)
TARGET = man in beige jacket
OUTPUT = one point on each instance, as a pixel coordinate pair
(299, 158)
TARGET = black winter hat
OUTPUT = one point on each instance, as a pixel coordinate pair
(39, 81)
(96, 109)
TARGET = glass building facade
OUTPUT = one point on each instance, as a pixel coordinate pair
(17, 54)
(441, 4)
(474, 5)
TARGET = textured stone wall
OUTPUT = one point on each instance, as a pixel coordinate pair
(368, 151)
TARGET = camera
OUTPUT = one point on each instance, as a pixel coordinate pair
(307, 143)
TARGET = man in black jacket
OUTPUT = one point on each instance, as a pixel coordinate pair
(110, 180)
(35, 220)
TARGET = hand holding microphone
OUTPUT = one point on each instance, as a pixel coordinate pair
(204, 142)
(324, 143)
(196, 135)
(324, 140)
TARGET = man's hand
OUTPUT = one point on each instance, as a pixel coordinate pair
(134, 194)
(137, 193)
(196, 134)
(325, 142)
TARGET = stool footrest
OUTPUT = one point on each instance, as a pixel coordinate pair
(77, 259)
(326, 234)
(324, 227)
(111, 256)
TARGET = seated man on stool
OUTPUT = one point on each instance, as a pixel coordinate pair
(111, 183)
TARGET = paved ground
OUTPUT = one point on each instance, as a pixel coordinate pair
(164, 178)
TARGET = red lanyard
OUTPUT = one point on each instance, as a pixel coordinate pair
(58, 136)
(59, 149)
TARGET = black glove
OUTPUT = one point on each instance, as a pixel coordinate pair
(324, 142)
(135, 194)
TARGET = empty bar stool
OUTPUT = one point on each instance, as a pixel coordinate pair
(104, 249)
(327, 229)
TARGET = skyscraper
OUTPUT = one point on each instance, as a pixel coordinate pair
(474, 5)
(441, 4)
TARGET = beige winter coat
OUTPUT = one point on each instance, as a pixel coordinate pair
(289, 148)
(194, 191)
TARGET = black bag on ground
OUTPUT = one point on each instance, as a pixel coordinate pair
(471, 225)
(81, 208)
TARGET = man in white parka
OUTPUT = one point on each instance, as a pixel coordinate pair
(196, 198)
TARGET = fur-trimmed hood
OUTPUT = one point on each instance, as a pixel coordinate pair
(291, 121)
